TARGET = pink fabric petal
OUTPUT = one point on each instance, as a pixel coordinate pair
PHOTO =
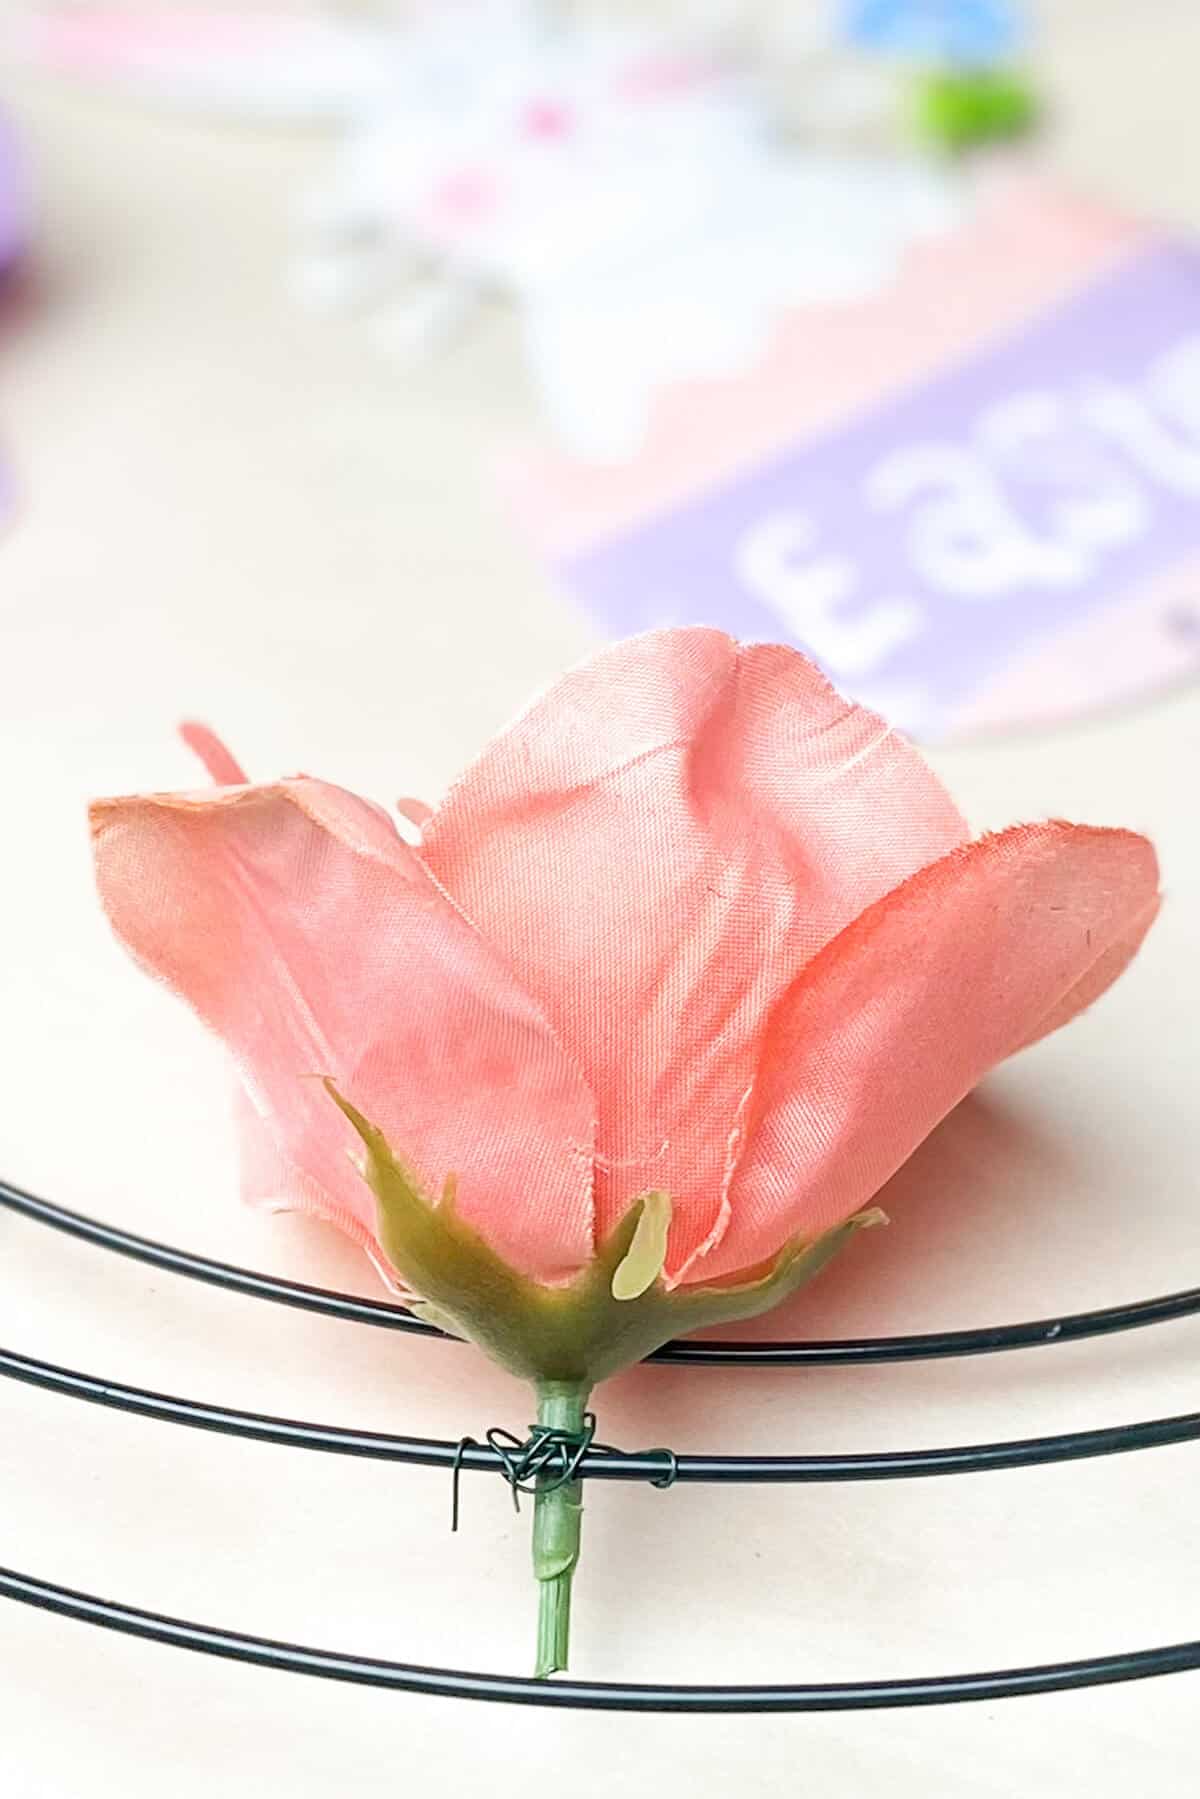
(220, 762)
(972, 959)
(270, 1183)
(659, 845)
(416, 811)
(307, 934)
(1097, 979)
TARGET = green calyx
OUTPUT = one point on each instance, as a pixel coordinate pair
(566, 1338)
(613, 1313)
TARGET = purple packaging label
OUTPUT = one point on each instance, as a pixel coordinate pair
(921, 551)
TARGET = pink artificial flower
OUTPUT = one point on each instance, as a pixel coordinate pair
(685, 966)
(694, 924)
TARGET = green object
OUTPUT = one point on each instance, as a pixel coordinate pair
(564, 1339)
(959, 109)
(646, 1254)
(557, 1519)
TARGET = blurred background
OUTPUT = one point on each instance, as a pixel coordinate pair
(361, 367)
(468, 311)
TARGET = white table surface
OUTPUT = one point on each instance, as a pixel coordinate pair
(235, 510)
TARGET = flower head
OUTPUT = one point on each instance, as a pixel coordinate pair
(694, 927)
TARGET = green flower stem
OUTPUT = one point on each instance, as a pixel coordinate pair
(557, 1517)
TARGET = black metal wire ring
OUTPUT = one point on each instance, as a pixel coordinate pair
(861, 1351)
(582, 1695)
(603, 1463)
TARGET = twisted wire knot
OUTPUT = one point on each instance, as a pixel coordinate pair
(550, 1457)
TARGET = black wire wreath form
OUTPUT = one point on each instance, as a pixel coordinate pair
(603, 1463)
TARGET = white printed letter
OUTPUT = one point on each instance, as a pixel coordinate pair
(774, 559)
(969, 540)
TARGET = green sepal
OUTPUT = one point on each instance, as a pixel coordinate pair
(647, 1252)
(580, 1332)
(428, 1313)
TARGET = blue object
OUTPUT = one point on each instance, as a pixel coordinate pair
(972, 32)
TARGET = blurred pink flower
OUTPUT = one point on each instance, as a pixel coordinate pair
(693, 924)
